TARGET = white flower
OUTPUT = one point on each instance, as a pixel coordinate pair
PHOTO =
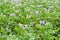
(4, 15)
(32, 6)
(47, 23)
(31, 12)
(27, 9)
(13, 7)
(45, 9)
(15, 1)
(44, 0)
(31, 1)
(7, 28)
(20, 25)
(50, 7)
(36, 12)
(55, 2)
(5, 1)
(16, 5)
(12, 14)
(28, 16)
(16, 10)
(48, 10)
(59, 35)
(26, 26)
(40, 6)
(31, 24)
(42, 22)
(20, 4)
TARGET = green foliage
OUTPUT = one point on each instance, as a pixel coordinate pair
(30, 20)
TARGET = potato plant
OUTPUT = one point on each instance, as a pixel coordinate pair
(29, 19)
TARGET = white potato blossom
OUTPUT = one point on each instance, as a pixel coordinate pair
(13, 7)
(50, 7)
(31, 1)
(31, 12)
(15, 1)
(55, 2)
(18, 4)
(26, 26)
(47, 23)
(42, 22)
(32, 6)
(4, 15)
(59, 35)
(31, 24)
(48, 10)
(7, 28)
(5, 1)
(40, 6)
(49, 4)
(28, 16)
(16, 10)
(20, 25)
(12, 14)
(36, 12)
(45, 9)
(27, 9)
(44, 0)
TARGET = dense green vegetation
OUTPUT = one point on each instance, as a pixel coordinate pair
(30, 20)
